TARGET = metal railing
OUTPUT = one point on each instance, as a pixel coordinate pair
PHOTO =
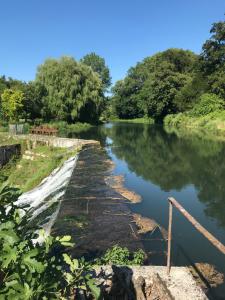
(195, 223)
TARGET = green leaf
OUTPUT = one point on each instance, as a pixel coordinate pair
(9, 236)
(94, 289)
(32, 263)
(67, 259)
(68, 277)
(73, 263)
(65, 241)
(8, 255)
(65, 238)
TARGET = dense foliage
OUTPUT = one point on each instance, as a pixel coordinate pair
(208, 103)
(151, 87)
(98, 65)
(64, 90)
(33, 265)
(121, 256)
(12, 103)
(73, 91)
(173, 81)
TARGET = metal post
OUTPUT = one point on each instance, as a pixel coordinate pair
(169, 237)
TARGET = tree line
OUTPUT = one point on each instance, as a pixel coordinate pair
(64, 90)
(174, 81)
(168, 82)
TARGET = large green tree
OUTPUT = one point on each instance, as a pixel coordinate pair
(189, 94)
(98, 65)
(213, 50)
(34, 94)
(73, 91)
(212, 59)
(151, 86)
(125, 102)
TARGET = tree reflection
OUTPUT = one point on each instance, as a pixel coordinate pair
(174, 162)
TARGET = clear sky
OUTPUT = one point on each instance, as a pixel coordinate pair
(122, 31)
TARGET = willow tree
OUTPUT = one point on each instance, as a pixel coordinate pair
(73, 92)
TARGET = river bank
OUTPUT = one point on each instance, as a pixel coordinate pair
(136, 120)
(34, 165)
(39, 156)
(211, 125)
(42, 174)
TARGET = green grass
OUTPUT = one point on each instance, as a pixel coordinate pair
(137, 120)
(3, 126)
(29, 173)
(6, 139)
(64, 128)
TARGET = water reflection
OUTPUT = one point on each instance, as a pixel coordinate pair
(173, 163)
(191, 168)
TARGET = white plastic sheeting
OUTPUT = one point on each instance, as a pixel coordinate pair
(49, 193)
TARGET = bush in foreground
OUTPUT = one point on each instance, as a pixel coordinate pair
(36, 266)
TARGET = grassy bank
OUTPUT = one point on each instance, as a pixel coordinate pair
(212, 123)
(137, 120)
(6, 139)
(64, 128)
(35, 165)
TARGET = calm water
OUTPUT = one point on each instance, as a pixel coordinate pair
(157, 165)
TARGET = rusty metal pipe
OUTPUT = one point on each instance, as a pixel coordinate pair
(169, 237)
(198, 226)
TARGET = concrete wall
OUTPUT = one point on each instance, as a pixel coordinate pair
(7, 152)
(56, 141)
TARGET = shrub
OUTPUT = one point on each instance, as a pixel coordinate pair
(208, 103)
(33, 265)
(121, 256)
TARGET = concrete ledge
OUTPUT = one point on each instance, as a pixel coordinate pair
(180, 283)
(55, 141)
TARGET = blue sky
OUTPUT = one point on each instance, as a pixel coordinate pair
(122, 31)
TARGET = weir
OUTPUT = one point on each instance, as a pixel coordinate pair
(97, 216)
(77, 199)
(93, 213)
(45, 200)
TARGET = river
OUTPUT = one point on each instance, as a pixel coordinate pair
(156, 165)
